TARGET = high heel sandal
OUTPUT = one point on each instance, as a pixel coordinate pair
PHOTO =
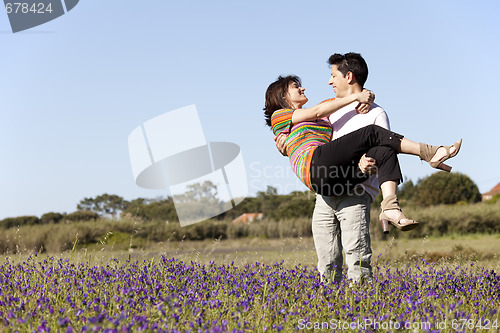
(391, 202)
(427, 152)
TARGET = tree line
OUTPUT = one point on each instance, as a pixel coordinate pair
(439, 188)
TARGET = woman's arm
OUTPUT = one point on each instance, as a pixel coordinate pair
(327, 108)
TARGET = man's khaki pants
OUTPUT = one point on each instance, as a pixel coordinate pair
(342, 223)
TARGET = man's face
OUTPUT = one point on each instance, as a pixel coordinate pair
(338, 82)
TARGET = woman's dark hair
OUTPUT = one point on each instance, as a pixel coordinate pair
(351, 62)
(276, 95)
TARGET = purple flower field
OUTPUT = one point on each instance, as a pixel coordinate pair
(167, 295)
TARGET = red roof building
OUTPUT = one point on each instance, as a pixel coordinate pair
(248, 217)
(489, 195)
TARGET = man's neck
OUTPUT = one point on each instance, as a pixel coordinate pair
(353, 89)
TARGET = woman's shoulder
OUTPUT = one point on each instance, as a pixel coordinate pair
(281, 120)
(282, 114)
(283, 111)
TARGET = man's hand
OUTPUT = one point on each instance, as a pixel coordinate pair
(367, 165)
(280, 143)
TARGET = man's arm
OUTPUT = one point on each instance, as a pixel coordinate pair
(382, 120)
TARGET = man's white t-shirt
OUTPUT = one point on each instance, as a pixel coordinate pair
(347, 120)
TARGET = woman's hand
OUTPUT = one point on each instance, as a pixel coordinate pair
(365, 98)
(280, 143)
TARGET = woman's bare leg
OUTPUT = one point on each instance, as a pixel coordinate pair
(389, 188)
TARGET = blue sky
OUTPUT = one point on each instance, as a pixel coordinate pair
(74, 88)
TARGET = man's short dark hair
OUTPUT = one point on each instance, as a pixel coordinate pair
(351, 62)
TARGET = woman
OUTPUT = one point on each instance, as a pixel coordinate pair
(324, 165)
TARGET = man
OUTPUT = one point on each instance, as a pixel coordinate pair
(341, 222)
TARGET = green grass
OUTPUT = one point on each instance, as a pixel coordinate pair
(477, 249)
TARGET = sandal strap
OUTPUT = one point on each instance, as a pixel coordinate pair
(390, 202)
(427, 152)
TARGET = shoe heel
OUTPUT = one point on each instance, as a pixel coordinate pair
(385, 226)
(444, 167)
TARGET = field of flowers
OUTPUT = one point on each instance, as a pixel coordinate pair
(44, 294)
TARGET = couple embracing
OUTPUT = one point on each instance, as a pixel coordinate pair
(334, 148)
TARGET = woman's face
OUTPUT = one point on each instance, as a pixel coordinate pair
(296, 96)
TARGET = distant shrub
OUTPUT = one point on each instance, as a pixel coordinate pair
(210, 229)
(296, 205)
(82, 215)
(51, 218)
(248, 205)
(12, 222)
(493, 200)
(163, 210)
(238, 230)
(446, 188)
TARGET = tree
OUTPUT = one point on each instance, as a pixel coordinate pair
(135, 208)
(12, 222)
(278, 207)
(161, 210)
(296, 204)
(204, 193)
(446, 188)
(407, 191)
(151, 209)
(51, 218)
(270, 200)
(248, 205)
(103, 204)
(199, 201)
(81, 215)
